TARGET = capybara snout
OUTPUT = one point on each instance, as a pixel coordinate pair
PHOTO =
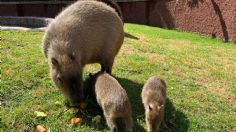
(68, 80)
(72, 89)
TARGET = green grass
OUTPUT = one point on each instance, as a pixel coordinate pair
(200, 73)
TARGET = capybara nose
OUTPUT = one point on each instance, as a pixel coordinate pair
(76, 98)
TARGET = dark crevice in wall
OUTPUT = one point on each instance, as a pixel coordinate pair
(147, 12)
(162, 17)
(222, 21)
(194, 3)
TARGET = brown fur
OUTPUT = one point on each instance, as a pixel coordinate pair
(153, 98)
(85, 32)
(114, 5)
(113, 99)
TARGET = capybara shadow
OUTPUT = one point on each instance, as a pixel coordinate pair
(133, 90)
(131, 36)
(175, 120)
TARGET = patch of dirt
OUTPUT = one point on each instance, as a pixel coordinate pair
(39, 92)
(127, 49)
(154, 56)
(180, 45)
(143, 39)
(218, 88)
(9, 72)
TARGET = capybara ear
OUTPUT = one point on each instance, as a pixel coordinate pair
(54, 62)
(150, 107)
(163, 82)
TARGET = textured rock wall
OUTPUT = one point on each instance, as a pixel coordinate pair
(216, 18)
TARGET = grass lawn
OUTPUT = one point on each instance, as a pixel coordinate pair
(200, 73)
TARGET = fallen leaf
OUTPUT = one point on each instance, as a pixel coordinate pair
(40, 114)
(41, 128)
(76, 120)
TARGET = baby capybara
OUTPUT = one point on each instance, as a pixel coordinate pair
(85, 32)
(113, 99)
(153, 98)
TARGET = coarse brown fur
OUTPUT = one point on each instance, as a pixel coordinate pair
(113, 100)
(114, 5)
(153, 98)
(85, 32)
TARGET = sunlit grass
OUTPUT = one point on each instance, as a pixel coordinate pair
(200, 73)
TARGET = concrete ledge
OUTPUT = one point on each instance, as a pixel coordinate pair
(8, 28)
(31, 22)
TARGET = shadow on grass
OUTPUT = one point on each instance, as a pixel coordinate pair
(131, 36)
(133, 90)
(175, 120)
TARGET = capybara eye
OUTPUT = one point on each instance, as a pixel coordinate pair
(54, 62)
(72, 56)
(150, 108)
(59, 78)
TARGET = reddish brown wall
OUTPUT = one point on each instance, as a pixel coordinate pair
(215, 18)
(210, 17)
(135, 12)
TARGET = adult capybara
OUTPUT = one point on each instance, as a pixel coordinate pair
(85, 32)
(153, 98)
(113, 100)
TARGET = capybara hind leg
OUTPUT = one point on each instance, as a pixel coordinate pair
(129, 124)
